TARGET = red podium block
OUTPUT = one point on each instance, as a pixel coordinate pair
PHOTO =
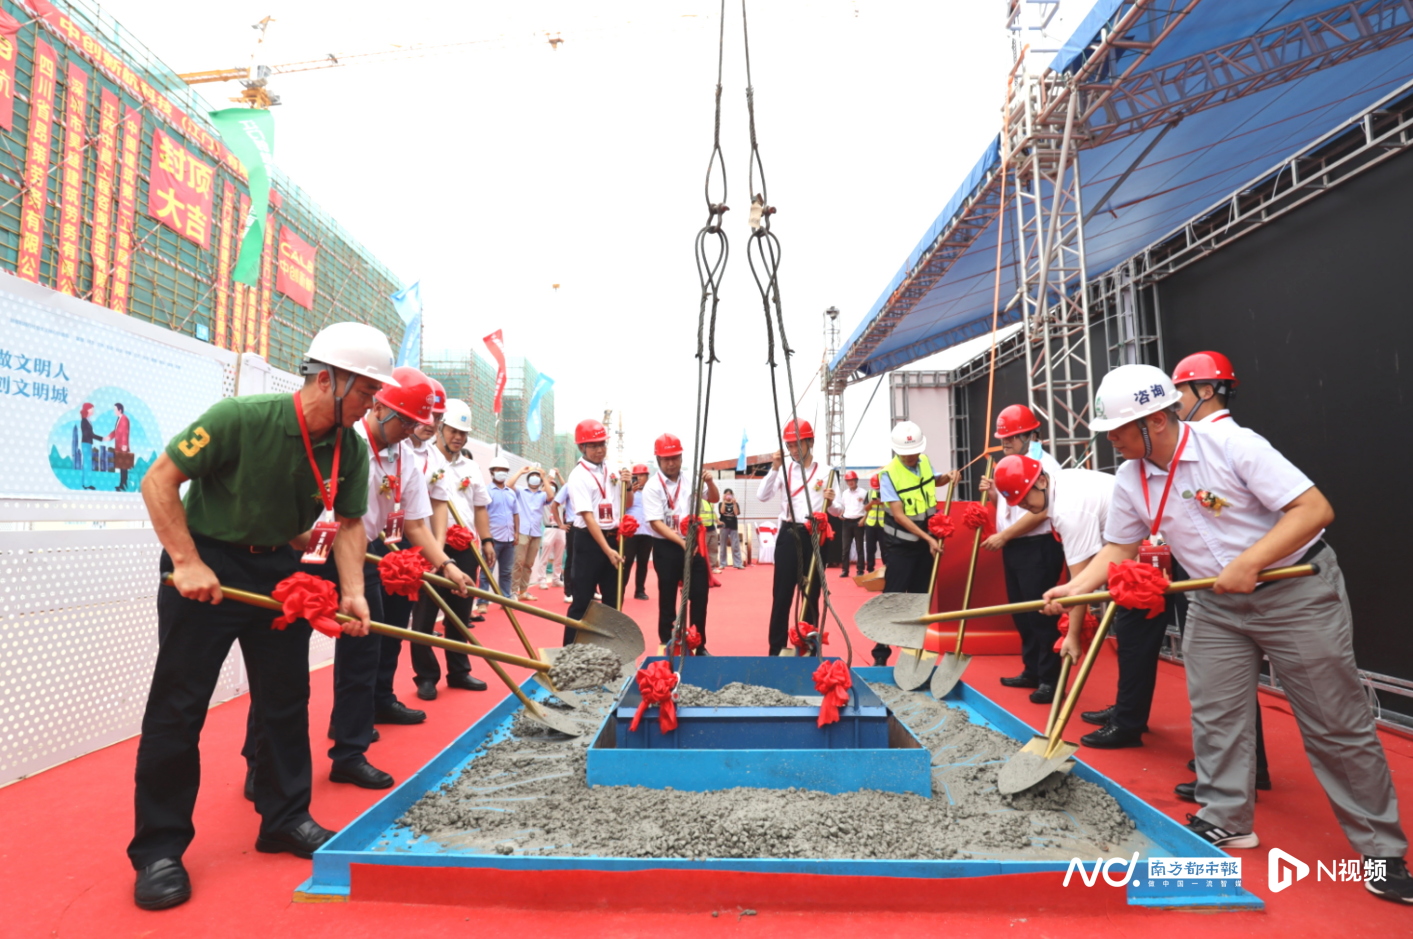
(994, 635)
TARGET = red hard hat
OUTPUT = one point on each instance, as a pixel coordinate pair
(1016, 419)
(873, 481)
(850, 475)
(795, 435)
(667, 445)
(413, 396)
(1015, 475)
(590, 431)
(1205, 366)
(640, 469)
(439, 406)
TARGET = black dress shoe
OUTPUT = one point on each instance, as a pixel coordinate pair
(1044, 694)
(843, 574)
(399, 713)
(250, 783)
(301, 842)
(376, 735)
(465, 682)
(427, 690)
(641, 595)
(476, 618)
(1021, 681)
(1099, 717)
(1187, 791)
(162, 884)
(364, 775)
(1192, 765)
(1110, 737)
(701, 650)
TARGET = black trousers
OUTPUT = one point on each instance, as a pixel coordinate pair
(636, 553)
(424, 618)
(592, 571)
(873, 541)
(851, 534)
(193, 641)
(792, 565)
(909, 570)
(669, 561)
(397, 611)
(356, 661)
(1033, 566)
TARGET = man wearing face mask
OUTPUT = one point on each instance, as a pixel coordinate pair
(730, 534)
(800, 485)
(665, 503)
(593, 496)
(1033, 559)
(504, 513)
(639, 548)
(531, 521)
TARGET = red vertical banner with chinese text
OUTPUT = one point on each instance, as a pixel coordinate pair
(295, 278)
(127, 209)
(41, 118)
(9, 51)
(71, 178)
(267, 281)
(180, 190)
(104, 191)
(223, 264)
(241, 290)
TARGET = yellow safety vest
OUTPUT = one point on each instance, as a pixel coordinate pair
(917, 493)
(876, 510)
(708, 514)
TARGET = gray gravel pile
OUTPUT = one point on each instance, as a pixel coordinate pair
(529, 796)
(737, 695)
(580, 665)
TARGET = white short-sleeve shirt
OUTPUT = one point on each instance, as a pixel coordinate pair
(1252, 480)
(666, 501)
(594, 489)
(467, 485)
(850, 502)
(1079, 509)
(433, 466)
(792, 484)
(382, 472)
(1007, 515)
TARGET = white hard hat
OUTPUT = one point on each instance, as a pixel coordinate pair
(1130, 392)
(354, 348)
(908, 438)
(500, 462)
(458, 415)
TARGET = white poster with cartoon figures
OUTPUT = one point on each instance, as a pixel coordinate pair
(87, 406)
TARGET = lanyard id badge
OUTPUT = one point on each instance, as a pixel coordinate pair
(1154, 550)
(605, 516)
(321, 539)
(392, 531)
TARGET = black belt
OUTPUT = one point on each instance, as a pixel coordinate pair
(232, 546)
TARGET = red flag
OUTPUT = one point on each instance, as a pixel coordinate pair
(496, 344)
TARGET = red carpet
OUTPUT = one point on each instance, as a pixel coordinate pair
(66, 873)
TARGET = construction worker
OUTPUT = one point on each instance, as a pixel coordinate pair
(1033, 559)
(664, 507)
(801, 486)
(873, 523)
(398, 516)
(1230, 505)
(257, 467)
(639, 548)
(849, 505)
(592, 492)
(1076, 504)
(466, 489)
(908, 488)
(1207, 383)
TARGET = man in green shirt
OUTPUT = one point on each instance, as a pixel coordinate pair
(253, 491)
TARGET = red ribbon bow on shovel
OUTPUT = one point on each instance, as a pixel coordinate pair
(458, 538)
(311, 598)
(1138, 586)
(401, 571)
(832, 680)
(656, 683)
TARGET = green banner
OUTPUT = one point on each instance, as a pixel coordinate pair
(250, 133)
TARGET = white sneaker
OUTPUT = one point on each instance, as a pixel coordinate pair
(568, 598)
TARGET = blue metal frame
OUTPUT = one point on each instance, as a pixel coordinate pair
(360, 842)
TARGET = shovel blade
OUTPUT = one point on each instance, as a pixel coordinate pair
(1030, 765)
(556, 721)
(875, 619)
(613, 630)
(950, 669)
(913, 668)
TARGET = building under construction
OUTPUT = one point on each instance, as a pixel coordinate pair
(472, 379)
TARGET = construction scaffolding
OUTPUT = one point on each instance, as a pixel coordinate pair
(472, 379)
(169, 279)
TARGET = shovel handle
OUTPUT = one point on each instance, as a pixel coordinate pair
(396, 632)
(486, 569)
(1103, 596)
(1065, 662)
(1057, 726)
(971, 570)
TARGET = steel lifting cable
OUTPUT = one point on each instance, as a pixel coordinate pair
(767, 251)
(709, 272)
